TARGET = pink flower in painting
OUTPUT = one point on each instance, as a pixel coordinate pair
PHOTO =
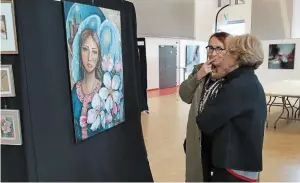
(115, 108)
(83, 121)
(108, 118)
(107, 63)
(118, 66)
(6, 126)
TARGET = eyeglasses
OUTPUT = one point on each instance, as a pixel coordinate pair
(210, 49)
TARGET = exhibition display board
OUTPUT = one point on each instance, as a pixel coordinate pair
(44, 97)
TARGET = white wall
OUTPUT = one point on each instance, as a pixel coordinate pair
(165, 18)
(268, 76)
(152, 54)
(271, 19)
(295, 33)
(205, 14)
(265, 75)
(204, 18)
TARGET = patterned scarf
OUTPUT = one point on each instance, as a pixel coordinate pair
(210, 92)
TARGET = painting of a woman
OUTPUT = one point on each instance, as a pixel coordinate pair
(96, 71)
(84, 90)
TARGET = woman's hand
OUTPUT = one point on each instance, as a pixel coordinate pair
(217, 59)
(204, 70)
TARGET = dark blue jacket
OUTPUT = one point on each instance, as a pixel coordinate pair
(236, 120)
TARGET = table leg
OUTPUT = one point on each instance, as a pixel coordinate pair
(297, 108)
(284, 107)
(270, 105)
(291, 106)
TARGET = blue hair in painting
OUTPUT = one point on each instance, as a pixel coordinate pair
(75, 13)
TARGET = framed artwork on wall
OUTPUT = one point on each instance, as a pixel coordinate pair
(281, 56)
(192, 57)
(96, 68)
(10, 127)
(239, 1)
(9, 44)
(7, 81)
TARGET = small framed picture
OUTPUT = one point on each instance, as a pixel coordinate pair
(239, 1)
(10, 127)
(7, 81)
(282, 56)
(9, 44)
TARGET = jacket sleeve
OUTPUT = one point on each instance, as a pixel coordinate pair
(230, 102)
(188, 87)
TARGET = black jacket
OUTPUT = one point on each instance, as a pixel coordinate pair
(236, 120)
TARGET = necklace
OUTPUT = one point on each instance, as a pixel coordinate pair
(92, 90)
(209, 93)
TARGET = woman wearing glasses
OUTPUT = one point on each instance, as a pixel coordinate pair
(234, 113)
(192, 90)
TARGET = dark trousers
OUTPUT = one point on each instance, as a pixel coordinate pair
(222, 175)
(206, 150)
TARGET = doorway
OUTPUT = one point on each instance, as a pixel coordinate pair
(167, 66)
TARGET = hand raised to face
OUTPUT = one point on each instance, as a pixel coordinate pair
(217, 59)
(205, 69)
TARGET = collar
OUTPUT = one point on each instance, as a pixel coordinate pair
(237, 72)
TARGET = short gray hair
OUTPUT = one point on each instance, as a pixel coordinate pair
(247, 48)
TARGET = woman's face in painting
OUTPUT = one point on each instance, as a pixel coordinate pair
(89, 54)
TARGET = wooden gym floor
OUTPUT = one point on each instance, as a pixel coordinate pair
(164, 131)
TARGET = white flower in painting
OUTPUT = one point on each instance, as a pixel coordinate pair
(95, 116)
(110, 93)
(107, 63)
(118, 66)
